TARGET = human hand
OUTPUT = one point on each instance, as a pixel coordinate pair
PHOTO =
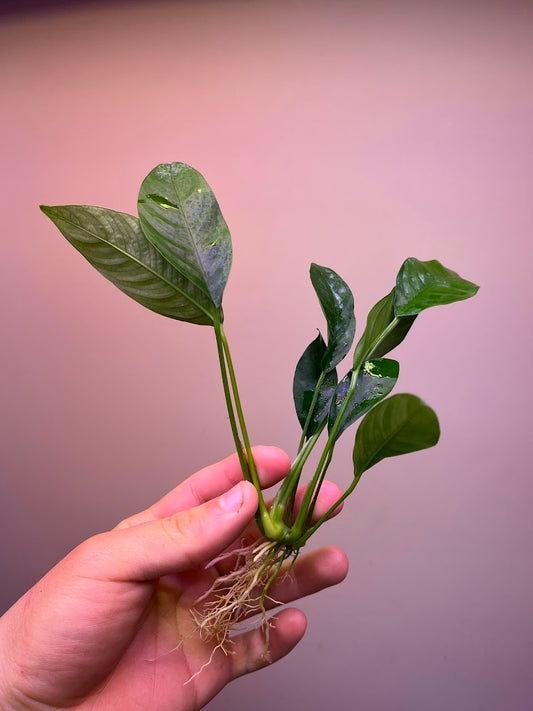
(110, 626)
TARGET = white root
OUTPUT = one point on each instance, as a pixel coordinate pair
(241, 593)
(237, 596)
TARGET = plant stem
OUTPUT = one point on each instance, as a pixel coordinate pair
(310, 411)
(311, 495)
(229, 402)
(317, 489)
(379, 339)
(302, 540)
(282, 506)
(234, 407)
(247, 447)
(326, 457)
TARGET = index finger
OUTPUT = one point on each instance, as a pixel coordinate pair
(272, 464)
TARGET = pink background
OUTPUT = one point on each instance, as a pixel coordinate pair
(352, 134)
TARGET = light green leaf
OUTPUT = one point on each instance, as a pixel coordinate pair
(181, 217)
(115, 245)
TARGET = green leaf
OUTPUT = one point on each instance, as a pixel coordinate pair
(336, 301)
(306, 378)
(115, 245)
(181, 217)
(375, 381)
(420, 285)
(398, 425)
(380, 317)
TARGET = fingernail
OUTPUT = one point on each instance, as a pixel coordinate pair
(232, 500)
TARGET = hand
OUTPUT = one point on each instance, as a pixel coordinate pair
(110, 626)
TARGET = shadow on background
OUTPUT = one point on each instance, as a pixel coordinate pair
(21, 7)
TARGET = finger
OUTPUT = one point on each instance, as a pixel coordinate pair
(176, 543)
(272, 466)
(248, 649)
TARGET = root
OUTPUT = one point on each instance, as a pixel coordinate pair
(240, 594)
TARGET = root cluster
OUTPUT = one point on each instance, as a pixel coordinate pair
(240, 594)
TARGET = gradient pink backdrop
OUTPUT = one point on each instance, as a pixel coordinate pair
(352, 134)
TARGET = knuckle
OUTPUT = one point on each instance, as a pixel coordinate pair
(88, 553)
(178, 528)
(180, 531)
(125, 523)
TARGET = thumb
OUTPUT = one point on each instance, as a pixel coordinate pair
(175, 543)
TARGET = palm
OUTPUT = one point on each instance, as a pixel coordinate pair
(155, 655)
(165, 652)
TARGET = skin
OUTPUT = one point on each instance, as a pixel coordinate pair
(109, 627)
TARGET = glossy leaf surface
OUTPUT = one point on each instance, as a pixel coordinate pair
(115, 245)
(306, 377)
(398, 425)
(375, 381)
(181, 217)
(420, 285)
(336, 301)
(379, 318)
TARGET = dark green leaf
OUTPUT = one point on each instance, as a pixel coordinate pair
(336, 301)
(398, 425)
(374, 382)
(379, 318)
(115, 245)
(306, 377)
(181, 217)
(420, 285)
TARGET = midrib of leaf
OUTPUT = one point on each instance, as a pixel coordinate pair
(189, 230)
(141, 264)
